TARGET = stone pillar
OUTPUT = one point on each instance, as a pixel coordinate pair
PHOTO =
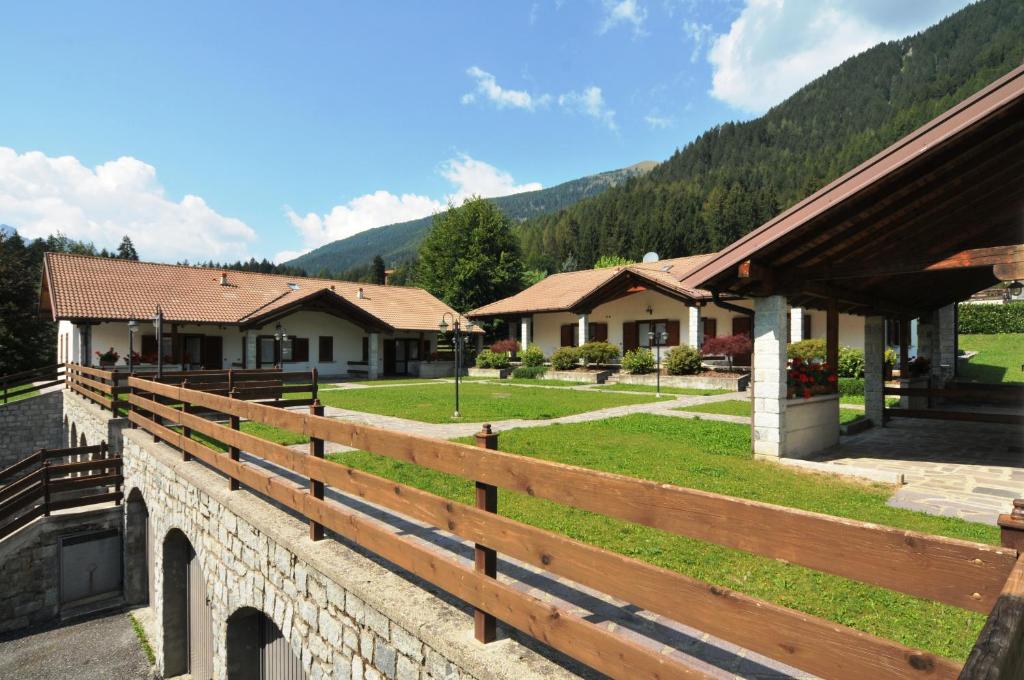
(524, 331)
(584, 328)
(693, 328)
(769, 377)
(373, 357)
(874, 369)
(944, 366)
(913, 338)
(479, 342)
(796, 324)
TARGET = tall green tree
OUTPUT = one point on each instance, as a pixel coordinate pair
(470, 257)
(606, 261)
(378, 271)
(126, 251)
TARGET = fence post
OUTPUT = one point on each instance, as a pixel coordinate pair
(485, 625)
(316, 450)
(5, 389)
(233, 451)
(46, 485)
(1011, 527)
(186, 431)
(131, 406)
(115, 381)
(314, 379)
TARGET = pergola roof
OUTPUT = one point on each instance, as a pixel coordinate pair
(916, 227)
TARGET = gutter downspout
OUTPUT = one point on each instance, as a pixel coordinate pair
(716, 298)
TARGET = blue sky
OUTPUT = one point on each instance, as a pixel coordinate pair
(225, 130)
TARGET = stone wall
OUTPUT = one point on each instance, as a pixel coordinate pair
(812, 425)
(30, 565)
(29, 425)
(344, 615)
(83, 417)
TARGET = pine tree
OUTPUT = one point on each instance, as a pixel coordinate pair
(378, 272)
(126, 251)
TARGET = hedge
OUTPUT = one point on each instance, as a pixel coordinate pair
(529, 372)
(851, 387)
(988, 319)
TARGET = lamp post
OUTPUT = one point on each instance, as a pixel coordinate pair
(158, 324)
(281, 335)
(456, 327)
(133, 328)
(657, 340)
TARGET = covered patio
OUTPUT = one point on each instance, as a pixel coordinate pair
(934, 218)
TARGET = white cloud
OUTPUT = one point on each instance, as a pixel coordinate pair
(467, 175)
(658, 122)
(591, 103)
(774, 47)
(623, 12)
(698, 35)
(488, 89)
(41, 195)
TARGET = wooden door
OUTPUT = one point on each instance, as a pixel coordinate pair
(741, 326)
(277, 660)
(599, 332)
(389, 357)
(213, 352)
(566, 335)
(629, 336)
(200, 623)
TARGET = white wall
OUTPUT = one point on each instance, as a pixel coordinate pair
(851, 328)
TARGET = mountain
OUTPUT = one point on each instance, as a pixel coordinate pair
(397, 242)
(735, 176)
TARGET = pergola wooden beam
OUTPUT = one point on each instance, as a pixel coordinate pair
(998, 257)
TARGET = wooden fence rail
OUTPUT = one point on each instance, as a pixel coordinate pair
(964, 574)
(47, 486)
(26, 382)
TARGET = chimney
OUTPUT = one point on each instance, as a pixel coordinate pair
(359, 294)
(223, 278)
(387, 276)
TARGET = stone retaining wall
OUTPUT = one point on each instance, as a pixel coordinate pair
(30, 565)
(29, 425)
(92, 421)
(344, 615)
(733, 383)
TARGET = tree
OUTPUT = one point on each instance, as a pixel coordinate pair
(470, 257)
(126, 251)
(606, 261)
(728, 345)
(379, 274)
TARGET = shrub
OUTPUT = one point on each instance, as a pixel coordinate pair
(683, 360)
(989, 319)
(729, 346)
(565, 358)
(851, 363)
(489, 359)
(807, 350)
(891, 358)
(529, 372)
(532, 356)
(638, 361)
(598, 352)
(851, 387)
(506, 345)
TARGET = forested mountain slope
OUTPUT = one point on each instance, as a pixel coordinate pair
(735, 176)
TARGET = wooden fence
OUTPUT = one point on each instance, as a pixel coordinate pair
(266, 386)
(26, 382)
(39, 484)
(968, 575)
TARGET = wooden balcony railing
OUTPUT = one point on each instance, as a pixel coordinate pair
(23, 383)
(968, 575)
(39, 484)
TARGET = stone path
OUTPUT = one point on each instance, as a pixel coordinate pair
(954, 469)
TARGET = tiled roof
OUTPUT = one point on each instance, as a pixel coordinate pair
(82, 287)
(561, 292)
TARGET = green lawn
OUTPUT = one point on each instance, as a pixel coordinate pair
(858, 399)
(741, 407)
(999, 359)
(26, 395)
(689, 391)
(715, 456)
(478, 402)
(541, 381)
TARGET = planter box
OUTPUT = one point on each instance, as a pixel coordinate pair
(733, 383)
(433, 369)
(499, 373)
(812, 425)
(914, 402)
(594, 377)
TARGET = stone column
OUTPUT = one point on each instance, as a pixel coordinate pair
(373, 357)
(796, 324)
(874, 369)
(584, 328)
(479, 342)
(944, 366)
(693, 328)
(524, 331)
(769, 377)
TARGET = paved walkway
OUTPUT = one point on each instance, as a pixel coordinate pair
(955, 469)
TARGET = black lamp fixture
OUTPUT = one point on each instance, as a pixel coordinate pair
(656, 340)
(457, 343)
(133, 328)
(1015, 288)
(649, 310)
(158, 324)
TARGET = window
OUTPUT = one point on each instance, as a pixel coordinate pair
(295, 349)
(807, 327)
(366, 349)
(645, 327)
(570, 335)
(710, 329)
(326, 352)
(598, 332)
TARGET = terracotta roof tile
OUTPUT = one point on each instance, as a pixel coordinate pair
(82, 287)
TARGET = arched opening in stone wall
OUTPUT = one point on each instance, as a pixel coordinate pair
(187, 615)
(138, 551)
(82, 441)
(256, 649)
(65, 434)
(74, 435)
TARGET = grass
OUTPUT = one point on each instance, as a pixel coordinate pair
(858, 400)
(140, 633)
(689, 391)
(541, 381)
(478, 402)
(715, 456)
(999, 359)
(25, 395)
(738, 407)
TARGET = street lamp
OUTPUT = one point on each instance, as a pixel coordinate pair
(1015, 288)
(657, 340)
(457, 343)
(133, 328)
(158, 324)
(281, 335)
